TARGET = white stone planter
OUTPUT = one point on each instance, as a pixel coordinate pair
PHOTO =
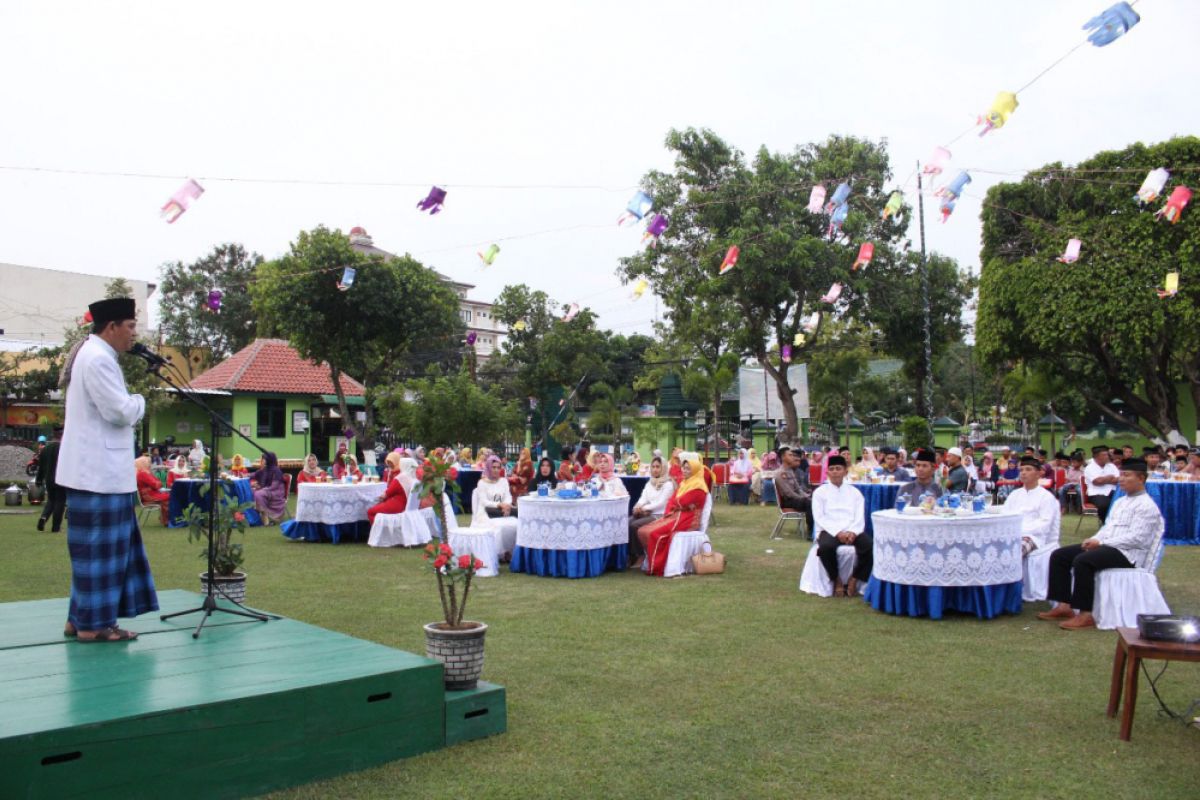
(232, 587)
(460, 651)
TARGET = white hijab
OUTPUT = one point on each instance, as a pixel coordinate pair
(408, 473)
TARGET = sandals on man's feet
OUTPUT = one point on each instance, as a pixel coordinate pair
(109, 635)
(69, 631)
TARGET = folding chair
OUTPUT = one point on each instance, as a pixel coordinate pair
(1088, 510)
(788, 516)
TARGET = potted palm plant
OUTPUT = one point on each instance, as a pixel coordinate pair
(229, 580)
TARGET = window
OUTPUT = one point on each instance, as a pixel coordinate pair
(465, 313)
(271, 414)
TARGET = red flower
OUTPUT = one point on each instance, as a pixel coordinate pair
(440, 562)
(464, 561)
(445, 550)
(452, 474)
(420, 474)
(478, 564)
(430, 548)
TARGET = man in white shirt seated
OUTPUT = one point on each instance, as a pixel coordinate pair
(839, 513)
(1134, 526)
(1100, 478)
(1038, 507)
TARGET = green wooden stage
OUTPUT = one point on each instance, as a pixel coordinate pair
(247, 708)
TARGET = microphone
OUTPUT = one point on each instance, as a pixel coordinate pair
(152, 358)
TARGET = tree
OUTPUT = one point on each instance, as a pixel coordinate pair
(787, 262)
(446, 410)
(608, 409)
(395, 314)
(186, 320)
(1097, 322)
(839, 376)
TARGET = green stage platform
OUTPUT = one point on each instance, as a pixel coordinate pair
(246, 708)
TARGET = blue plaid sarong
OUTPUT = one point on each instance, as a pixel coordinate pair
(110, 574)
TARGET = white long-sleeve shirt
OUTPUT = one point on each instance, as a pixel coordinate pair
(1040, 514)
(1134, 526)
(839, 508)
(1093, 471)
(488, 494)
(654, 501)
(613, 487)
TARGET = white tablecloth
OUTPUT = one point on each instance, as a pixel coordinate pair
(583, 524)
(336, 503)
(923, 550)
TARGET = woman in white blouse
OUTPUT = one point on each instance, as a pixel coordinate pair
(650, 507)
(610, 482)
(492, 497)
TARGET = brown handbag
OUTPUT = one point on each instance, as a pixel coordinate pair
(708, 563)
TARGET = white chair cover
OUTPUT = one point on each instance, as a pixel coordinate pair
(505, 527)
(1036, 567)
(1122, 594)
(479, 542)
(686, 544)
(814, 579)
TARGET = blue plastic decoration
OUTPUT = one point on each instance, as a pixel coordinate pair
(954, 188)
(1111, 24)
(347, 278)
(433, 201)
(840, 195)
(638, 207)
(947, 208)
(838, 218)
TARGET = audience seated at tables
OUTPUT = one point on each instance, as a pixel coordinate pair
(588, 468)
(650, 507)
(792, 488)
(567, 468)
(312, 472)
(196, 454)
(583, 465)
(350, 469)
(270, 491)
(522, 474)
(150, 488)
(481, 462)
(770, 463)
(1100, 478)
(839, 510)
(395, 497)
(902, 458)
(1193, 466)
(492, 496)
(957, 478)
(740, 471)
(1040, 513)
(675, 466)
(237, 466)
(1153, 457)
(464, 459)
(683, 513)
(1133, 527)
(338, 467)
(1010, 478)
(610, 482)
(179, 469)
(1070, 487)
(545, 474)
(866, 464)
(924, 483)
(891, 466)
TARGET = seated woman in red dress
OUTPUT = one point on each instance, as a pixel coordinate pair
(683, 513)
(179, 469)
(150, 488)
(237, 466)
(522, 474)
(395, 499)
(312, 472)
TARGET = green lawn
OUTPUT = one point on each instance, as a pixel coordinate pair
(726, 686)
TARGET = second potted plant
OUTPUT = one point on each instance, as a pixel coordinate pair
(230, 581)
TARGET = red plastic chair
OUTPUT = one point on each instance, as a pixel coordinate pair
(1060, 479)
(814, 474)
(1089, 510)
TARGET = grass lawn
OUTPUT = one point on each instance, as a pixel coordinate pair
(734, 685)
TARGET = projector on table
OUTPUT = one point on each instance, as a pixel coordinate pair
(1169, 627)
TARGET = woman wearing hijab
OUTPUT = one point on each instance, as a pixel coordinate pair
(587, 464)
(465, 460)
(650, 508)
(196, 454)
(481, 463)
(522, 474)
(237, 466)
(770, 463)
(611, 484)
(395, 497)
(270, 491)
(338, 467)
(683, 513)
(741, 470)
(675, 466)
(179, 469)
(351, 469)
(544, 474)
(312, 472)
(492, 496)
(567, 469)
(149, 488)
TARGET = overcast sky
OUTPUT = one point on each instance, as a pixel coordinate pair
(555, 94)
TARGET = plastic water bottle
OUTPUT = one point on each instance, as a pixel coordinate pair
(977, 505)
(543, 490)
(901, 503)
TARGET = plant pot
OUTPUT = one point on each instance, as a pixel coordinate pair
(231, 587)
(460, 651)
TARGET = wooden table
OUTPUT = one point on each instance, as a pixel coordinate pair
(1131, 650)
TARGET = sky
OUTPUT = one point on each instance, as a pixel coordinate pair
(538, 118)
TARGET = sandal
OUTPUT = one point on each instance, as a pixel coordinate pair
(109, 635)
(69, 631)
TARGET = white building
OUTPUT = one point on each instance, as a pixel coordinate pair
(37, 305)
(476, 314)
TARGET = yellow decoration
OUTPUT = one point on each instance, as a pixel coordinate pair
(1002, 108)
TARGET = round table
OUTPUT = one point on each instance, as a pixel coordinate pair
(332, 512)
(580, 538)
(185, 491)
(877, 497)
(925, 564)
(1179, 502)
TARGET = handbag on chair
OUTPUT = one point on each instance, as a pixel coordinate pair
(709, 562)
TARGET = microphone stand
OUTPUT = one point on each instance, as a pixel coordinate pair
(209, 606)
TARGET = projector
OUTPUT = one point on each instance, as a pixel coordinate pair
(1169, 627)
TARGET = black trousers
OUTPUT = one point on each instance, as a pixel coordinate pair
(1084, 564)
(636, 550)
(1101, 502)
(864, 555)
(494, 512)
(56, 504)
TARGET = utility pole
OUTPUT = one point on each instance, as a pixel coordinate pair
(927, 388)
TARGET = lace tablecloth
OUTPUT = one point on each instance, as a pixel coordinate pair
(980, 550)
(583, 524)
(336, 503)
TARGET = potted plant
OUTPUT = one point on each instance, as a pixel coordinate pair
(458, 644)
(230, 582)
(438, 475)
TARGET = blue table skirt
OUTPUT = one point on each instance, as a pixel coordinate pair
(1179, 503)
(877, 497)
(768, 491)
(358, 531)
(183, 494)
(467, 480)
(984, 602)
(570, 563)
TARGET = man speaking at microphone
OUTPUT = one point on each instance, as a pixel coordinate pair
(110, 574)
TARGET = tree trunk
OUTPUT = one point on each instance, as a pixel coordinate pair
(716, 426)
(923, 410)
(786, 397)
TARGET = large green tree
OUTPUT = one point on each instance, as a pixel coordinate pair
(446, 410)
(788, 259)
(186, 320)
(1098, 322)
(396, 314)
